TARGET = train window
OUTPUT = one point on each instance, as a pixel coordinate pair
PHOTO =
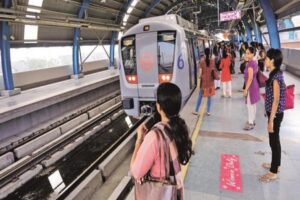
(128, 55)
(166, 50)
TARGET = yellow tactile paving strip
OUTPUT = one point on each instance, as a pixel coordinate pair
(195, 134)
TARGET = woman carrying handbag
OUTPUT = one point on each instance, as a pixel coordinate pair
(158, 153)
(207, 86)
(274, 107)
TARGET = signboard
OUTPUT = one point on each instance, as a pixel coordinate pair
(231, 15)
(231, 173)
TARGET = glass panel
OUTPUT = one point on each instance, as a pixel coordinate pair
(296, 20)
(264, 38)
(129, 54)
(290, 40)
(166, 50)
(28, 59)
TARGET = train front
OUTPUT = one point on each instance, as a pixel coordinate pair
(146, 60)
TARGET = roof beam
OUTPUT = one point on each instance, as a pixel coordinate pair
(53, 16)
(123, 11)
(59, 23)
(164, 4)
(151, 7)
(147, 5)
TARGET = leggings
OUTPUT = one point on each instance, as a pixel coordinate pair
(274, 140)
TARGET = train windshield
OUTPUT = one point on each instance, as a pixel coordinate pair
(129, 54)
(166, 50)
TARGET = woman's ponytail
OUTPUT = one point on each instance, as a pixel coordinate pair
(179, 132)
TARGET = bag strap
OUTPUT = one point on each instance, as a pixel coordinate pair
(163, 145)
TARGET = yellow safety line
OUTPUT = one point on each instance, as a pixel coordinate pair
(195, 134)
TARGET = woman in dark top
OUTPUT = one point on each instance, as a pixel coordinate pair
(261, 57)
(274, 106)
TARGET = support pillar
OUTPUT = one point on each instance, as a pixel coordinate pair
(256, 30)
(271, 23)
(112, 50)
(76, 70)
(9, 87)
(248, 29)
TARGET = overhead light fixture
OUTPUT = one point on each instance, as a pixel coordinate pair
(126, 16)
(30, 32)
(37, 3)
(33, 10)
(130, 9)
(133, 3)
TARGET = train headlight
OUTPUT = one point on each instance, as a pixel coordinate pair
(132, 79)
(165, 78)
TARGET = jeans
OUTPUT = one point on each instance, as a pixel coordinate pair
(274, 140)
(199, 100)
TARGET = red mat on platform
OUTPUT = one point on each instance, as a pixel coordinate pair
(231, 173)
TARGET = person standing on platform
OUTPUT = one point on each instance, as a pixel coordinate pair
(261, 57)
(274, 106)
(242, 57)
(226, 75)
(251, 91)
(207, 86)
(217, 54)
(158, 154)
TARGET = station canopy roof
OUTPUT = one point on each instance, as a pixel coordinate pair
(52, 22)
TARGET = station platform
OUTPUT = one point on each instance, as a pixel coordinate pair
(222, 133)
(22, 114)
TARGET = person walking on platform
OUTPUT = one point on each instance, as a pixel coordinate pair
(207, 86)
(251, 91)
(274, 107)
(226, 75)
(159, 153)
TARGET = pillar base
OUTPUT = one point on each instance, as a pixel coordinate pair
(77, 76)
(9, 93)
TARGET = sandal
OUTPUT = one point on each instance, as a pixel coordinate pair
(268, 177)
(248, 127)
(267, 166)
(195, 113)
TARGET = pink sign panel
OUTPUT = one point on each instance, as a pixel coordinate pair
(231, 15)
(230, 173)
(147, 61)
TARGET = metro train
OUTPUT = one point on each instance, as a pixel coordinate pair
(156, 50)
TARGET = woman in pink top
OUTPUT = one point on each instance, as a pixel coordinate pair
(146, 157)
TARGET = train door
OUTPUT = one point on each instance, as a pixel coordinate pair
(193, 75)
(192, 61)
(146, 45)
